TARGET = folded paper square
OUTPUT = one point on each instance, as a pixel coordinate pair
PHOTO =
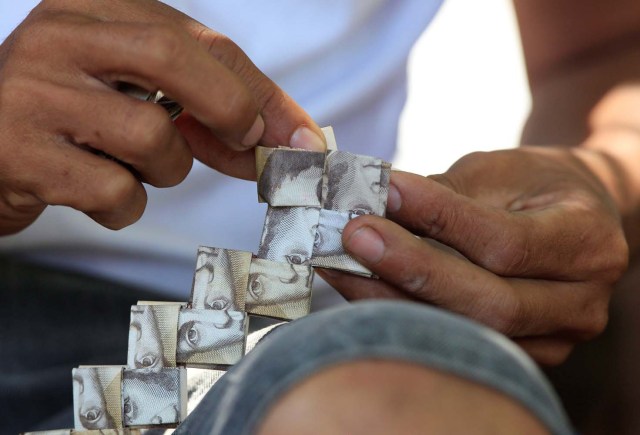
(288, 234)
(154, 398)
(97, 397)
(328, 251)
(353, 183)
(211, 338)
(153, 336)
(289, 177)
(220, 280)
(279, 290)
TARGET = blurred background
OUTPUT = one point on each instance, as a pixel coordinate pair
(467, 86)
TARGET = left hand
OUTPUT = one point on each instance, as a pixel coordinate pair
(536, 240)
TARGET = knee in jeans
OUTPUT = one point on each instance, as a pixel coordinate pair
(384, 396)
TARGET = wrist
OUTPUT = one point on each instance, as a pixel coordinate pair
(612, 154)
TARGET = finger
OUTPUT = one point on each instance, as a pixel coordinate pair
(286, 123)
(137, 133)
(516, 307)
(214, 153)
(545, 350)
(166, 57)
(63, 174)
(354, 287)
(547, 243)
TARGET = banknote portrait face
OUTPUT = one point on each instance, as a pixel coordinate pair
(220, 279)
(153, 336)
(291, 178)
(97, 398)
(353, 183)
(154, 398)
(211, 337)
(281, 290)
(288, 234)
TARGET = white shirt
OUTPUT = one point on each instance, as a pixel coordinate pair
(344, 61)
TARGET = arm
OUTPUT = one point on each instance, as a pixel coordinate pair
(584, 74)
(529, 241)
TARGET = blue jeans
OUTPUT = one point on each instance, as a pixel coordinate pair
(408, 332)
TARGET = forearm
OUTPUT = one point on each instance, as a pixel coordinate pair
(612, 152)
(577, 98)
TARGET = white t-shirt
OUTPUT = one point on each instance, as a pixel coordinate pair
(344, 61)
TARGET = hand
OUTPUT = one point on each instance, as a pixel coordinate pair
(59, 109)
(531, 246)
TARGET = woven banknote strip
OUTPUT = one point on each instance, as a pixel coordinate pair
(356, 185)
(211, 329)
(211, 338)
(279, 290)
(154, 398)
(353, 183)
(220, 279)
(97, 397)
(288, 234)
(153, 336)
(288, 177)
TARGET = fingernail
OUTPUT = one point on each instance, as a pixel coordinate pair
(367, 244)
(394, 200)
(255, 132)
(304, 138)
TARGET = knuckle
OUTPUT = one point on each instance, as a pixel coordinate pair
(148, 128)
(434, 221)
(506, 255)
(596, 321)
(224, 50)
(619, 258)
(163, 46)
(502, 313)
(117, 192)
(15, 92)
(426, 285)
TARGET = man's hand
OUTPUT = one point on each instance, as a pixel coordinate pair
(60, 111)
(531, 244)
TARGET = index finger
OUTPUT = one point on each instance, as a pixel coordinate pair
(165, 57)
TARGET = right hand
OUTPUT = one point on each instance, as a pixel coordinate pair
(59, 109)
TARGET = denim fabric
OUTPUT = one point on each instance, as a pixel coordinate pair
(388, 330)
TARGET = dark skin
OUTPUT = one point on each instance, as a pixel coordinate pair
(534, 237)
(539, 235)
(59, 106)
